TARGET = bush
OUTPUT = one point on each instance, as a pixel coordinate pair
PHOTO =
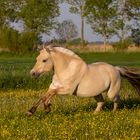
(76, 42)
(119, 45)
(8, 38)
(18, 42)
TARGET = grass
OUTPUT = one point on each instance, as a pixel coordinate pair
(71, 117)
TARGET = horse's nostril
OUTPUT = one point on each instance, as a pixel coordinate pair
(33, 73)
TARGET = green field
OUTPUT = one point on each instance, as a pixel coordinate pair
(71, 118)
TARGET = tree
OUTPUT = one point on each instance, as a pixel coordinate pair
(2, 15)
(101, 15)
(8, 11)
(135, 35)
(26, 41)
(121, 20)
(66, 30)
(39, 15)
(17, 42)
(133, 8)
(78, 7)
(9, 38)
(127, 10)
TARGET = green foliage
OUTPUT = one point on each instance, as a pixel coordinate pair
(126, 11)
(101, 16)
(136, 36)
(119, 46)
(8, 38)
(28, 41)
(8, 11)
(18, 42)
(39, 15)
(76, 42)
(106, 17)
(78, 7)
(133, 9)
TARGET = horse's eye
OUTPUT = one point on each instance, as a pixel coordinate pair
(44, 60)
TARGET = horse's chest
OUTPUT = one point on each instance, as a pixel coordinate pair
(64, 86)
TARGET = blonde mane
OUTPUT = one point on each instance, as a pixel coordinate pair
(66, 51)
(63, 50)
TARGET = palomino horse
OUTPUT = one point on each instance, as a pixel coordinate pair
(73, 76)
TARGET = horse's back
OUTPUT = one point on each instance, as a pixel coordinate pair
(97, 79)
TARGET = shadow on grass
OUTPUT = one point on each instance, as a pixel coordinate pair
(131, 103)
(66, 111)
(128, 104)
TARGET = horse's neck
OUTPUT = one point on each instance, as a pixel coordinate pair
(62, 61)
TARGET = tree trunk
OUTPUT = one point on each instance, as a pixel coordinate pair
(82, 29)
(104, 34)
(122, 38)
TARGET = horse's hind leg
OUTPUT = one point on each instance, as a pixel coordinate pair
(116, 99)
(100, 103)
(113, 94)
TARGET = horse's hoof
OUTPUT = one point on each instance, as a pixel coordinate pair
(29, 114)
(96, 112)
(47, 110)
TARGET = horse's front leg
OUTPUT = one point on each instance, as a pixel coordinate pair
(47, 104)
(47, 107)
(45, 100)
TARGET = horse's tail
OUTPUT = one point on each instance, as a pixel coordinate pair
(132, 75)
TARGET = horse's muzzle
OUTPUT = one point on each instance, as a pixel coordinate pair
(34, 74)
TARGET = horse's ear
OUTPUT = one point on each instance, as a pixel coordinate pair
(43, 47)
(49, 48)
(39, 48)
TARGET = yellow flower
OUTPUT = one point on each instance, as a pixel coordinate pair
(5, 133)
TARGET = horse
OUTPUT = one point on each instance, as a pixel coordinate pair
(72, 76)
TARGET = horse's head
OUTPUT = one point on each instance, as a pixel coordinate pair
(43, 64)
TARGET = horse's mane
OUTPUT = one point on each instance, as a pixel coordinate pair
(67, 52)
(64, 50)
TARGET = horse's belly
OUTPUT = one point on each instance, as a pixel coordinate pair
(88, 91)
(93, 85)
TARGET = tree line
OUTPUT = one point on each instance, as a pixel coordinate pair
(106, 17)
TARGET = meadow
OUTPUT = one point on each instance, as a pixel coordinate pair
(71, 118)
